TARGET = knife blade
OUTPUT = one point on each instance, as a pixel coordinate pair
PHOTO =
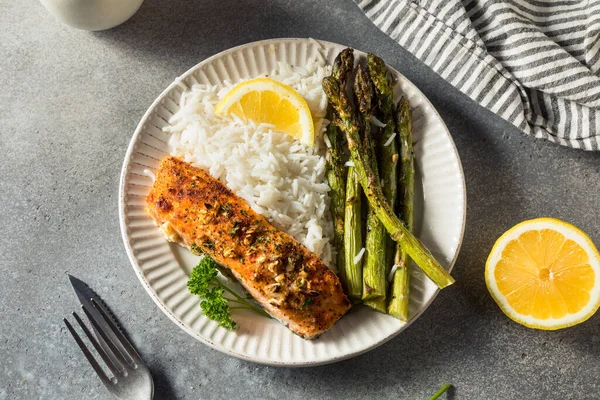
(85, 295)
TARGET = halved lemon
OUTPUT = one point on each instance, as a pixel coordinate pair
(264, 100)
(545, 274)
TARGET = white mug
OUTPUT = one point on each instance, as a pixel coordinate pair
(92, 15)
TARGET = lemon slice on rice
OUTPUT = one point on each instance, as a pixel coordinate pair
(545, 274)
(265, 100)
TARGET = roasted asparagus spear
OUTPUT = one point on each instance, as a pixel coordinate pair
(348, 207)
(353, 241)
(387, 143)
(388, 154)
(374, 277)
(398, 305)
(336, 176)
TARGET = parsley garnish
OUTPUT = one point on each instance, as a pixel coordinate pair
(203, 282)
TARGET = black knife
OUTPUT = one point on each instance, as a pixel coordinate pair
(85, 295)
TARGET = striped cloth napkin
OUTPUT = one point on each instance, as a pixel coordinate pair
(535, 63)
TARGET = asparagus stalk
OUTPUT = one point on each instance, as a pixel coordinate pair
(349, 123)
(350, 271)
(353, 240)
(374, 278)
(388, 155)
(398, 306)
(388, 161)
(336, 176)
(336, 171)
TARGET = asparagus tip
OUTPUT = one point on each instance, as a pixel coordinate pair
(343, 65)
(364, 92)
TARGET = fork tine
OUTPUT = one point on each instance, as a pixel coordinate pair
(124, 342)
(109, 362)
(109, 342)
(107, 382)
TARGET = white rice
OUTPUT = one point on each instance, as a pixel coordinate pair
(359, 256)
(392, 273)
(377, 122)
(150, 174)
(327, 141)
(277, 175)
(389, 141)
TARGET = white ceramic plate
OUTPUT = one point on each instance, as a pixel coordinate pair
(163, 268)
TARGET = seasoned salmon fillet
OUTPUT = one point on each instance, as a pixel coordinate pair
(291, 283)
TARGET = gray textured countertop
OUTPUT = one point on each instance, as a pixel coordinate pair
(70, 101)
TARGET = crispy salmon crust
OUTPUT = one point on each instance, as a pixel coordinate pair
(290, 282)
